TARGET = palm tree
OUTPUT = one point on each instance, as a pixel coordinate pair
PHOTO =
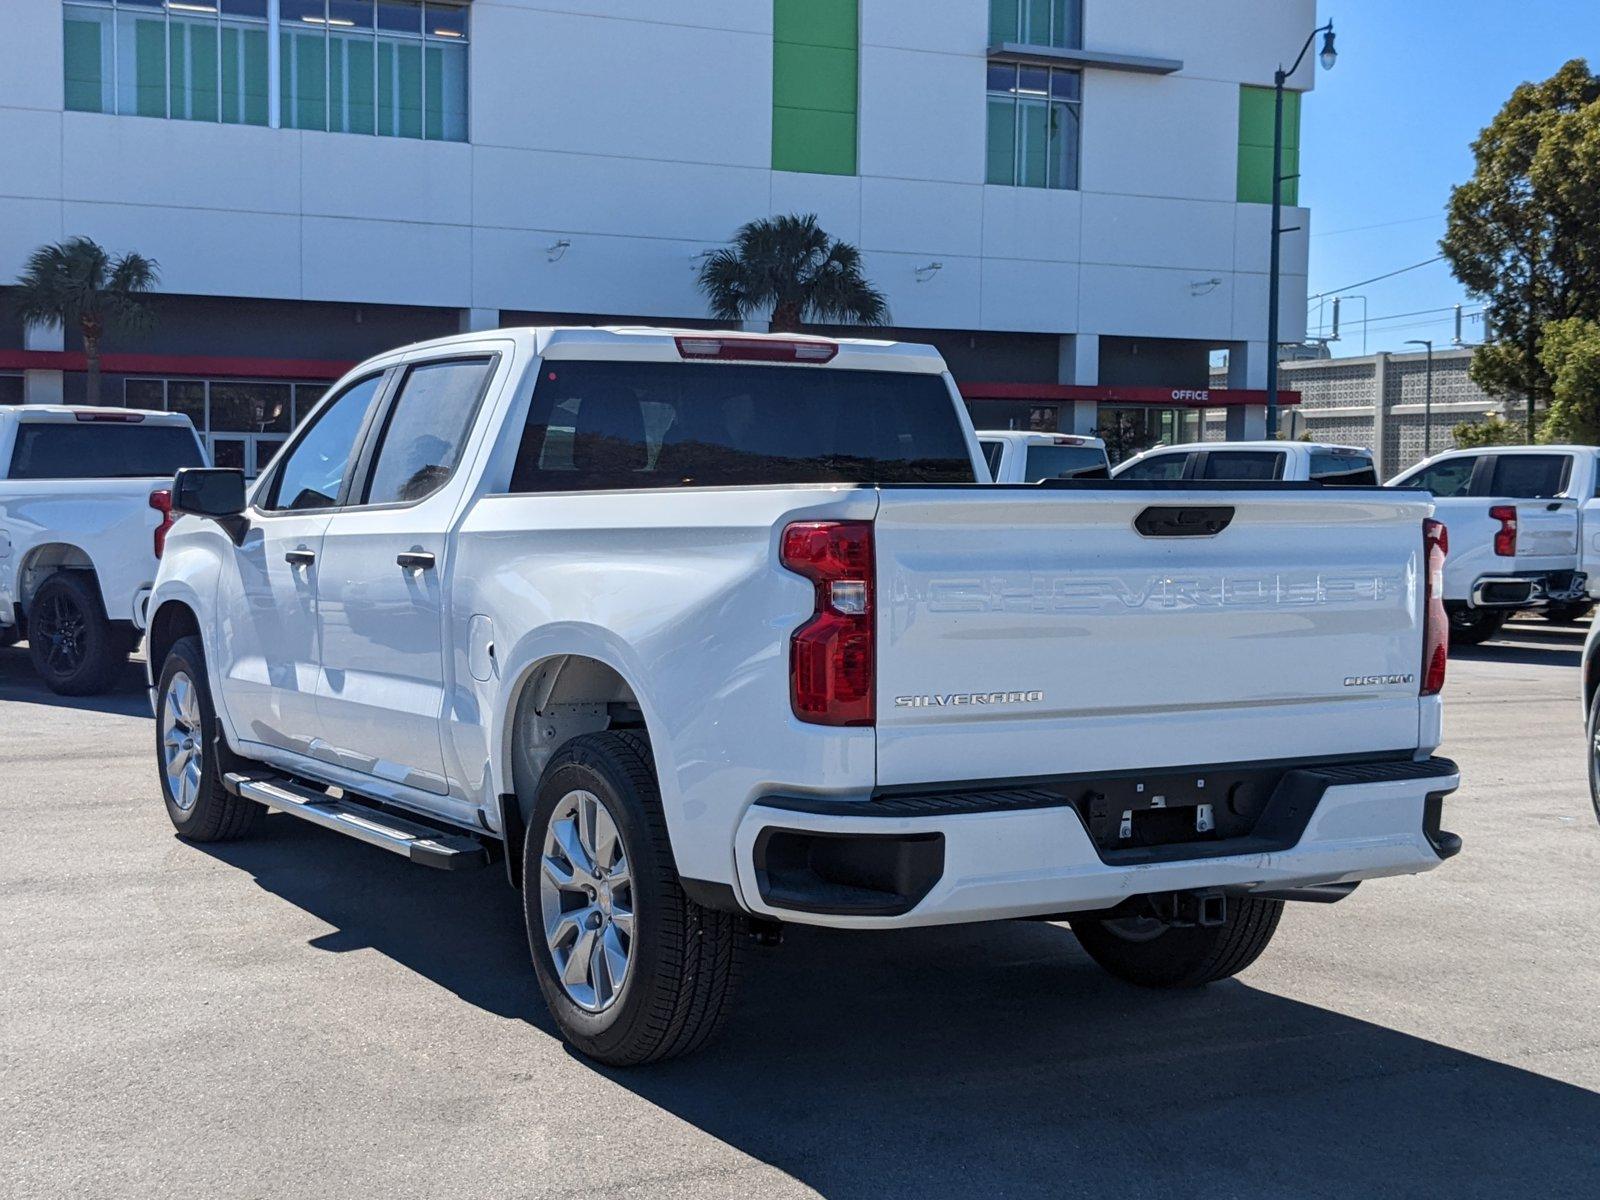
(790, 266)
(76, 283)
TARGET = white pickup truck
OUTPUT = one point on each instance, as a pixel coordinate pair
(702, 633)
(1524, 527)
(1317, 462)
(84, 496)
(1021, 456)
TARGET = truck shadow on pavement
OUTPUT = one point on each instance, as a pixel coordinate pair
(20, 683)
(998, 1060)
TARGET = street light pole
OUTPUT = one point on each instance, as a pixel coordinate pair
(1427, 398)
(1328, 55)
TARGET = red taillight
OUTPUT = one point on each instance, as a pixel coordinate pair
(119, 418)
(732, 349)
(1505, 541)
(831, 656)
(1436, 624)
(161, 501)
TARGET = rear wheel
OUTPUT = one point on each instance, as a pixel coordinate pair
(192, 754)
(1594, 754)
(1474, 626)
(632, 969)
(1151, 953)
(73, 646)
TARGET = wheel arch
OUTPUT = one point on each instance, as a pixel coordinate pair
(174, 619)
(43, 561)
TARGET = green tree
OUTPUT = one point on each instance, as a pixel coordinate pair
(789, 267)
(1570, 355)
(1524, 231)
(77, 283)
(1493, 430)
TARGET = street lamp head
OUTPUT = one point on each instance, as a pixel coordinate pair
(1329, 55)
(1420, 342)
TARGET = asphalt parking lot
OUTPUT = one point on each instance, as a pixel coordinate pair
(303, 1015)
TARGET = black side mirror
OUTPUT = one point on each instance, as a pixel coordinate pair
(216, 493)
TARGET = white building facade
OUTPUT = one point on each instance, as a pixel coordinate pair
(1069, 197)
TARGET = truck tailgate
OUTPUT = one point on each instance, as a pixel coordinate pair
(1025, 633)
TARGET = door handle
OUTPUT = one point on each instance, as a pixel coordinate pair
(415, 560)
(300, 557)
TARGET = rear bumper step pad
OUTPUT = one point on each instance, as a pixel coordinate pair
(347, 815)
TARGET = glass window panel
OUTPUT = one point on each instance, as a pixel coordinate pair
(1066, 85)
(351, 82)
(400, 16)
(1033, 143)
(303, 12)
(245, 8)
(304, 82)
(1064, 142)
(446, 20)
(313, 472)
(1067, 30)
(10, 389)
(192, 63)
(244, 74)
(447, 92)
(228, 452)
(1002, 77)
(251, 407)
(426, 430)
(87, 43)
(350, 14)
(1033, 81)
(306, 396)
(188, 396)
(265, 449)
(1036, 22)
(1003, 15)
(141, 3)
(1002, 141)
(399, 88)
(144, 393)
(142, 64)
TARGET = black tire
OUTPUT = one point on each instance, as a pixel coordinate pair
(1566, 614)
(685, 960)
(1474, 626)
(10, 635)
(213, 815)
(1173, 956)
(1594, 754)
(73, 647)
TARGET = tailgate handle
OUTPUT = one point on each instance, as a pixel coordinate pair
(1187, 521)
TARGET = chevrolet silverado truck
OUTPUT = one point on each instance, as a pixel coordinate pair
(1524, 527)
(1318, 462)
(84, 511)
(1022, 456)
(701, 634)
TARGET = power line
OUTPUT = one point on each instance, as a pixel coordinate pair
(1378, 225)
(1387, 275)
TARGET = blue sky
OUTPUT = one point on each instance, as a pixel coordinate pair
(1386, 134)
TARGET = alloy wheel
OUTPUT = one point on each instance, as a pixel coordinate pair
(182, 741)
(63, 628)
(586, 900)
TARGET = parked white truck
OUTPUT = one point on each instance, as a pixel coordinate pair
(1022, 456)
(702, 633)
(1317, 462)
(1524, 527)
(84, 510)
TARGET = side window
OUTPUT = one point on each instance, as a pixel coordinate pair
(1350, 470)
(1452, 477)
(426, 429)
(991, 455)
(1529, 476)
(1243, 464)
(1159, 466)
(312, 472)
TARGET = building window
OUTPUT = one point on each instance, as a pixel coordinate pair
(1255, 146)
(10, 389)
(1034, 125)
(1057, 23)
(242, 422)
(389, 67)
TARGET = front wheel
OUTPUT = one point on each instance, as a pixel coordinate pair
(72, 644)
(1474, 626)
(193, 755)
(1154, 954)
(632, 970)
(1594, 754)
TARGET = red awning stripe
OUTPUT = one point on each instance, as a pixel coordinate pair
(195, 365)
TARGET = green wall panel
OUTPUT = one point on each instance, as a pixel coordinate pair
(815, 84)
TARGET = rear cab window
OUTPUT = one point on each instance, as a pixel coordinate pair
(1242, 464)
(1349, 468)
(1447, 478)
(1156, 467)
(1064, 462)
(1530, 476)
(607, 426)
(102, 449)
